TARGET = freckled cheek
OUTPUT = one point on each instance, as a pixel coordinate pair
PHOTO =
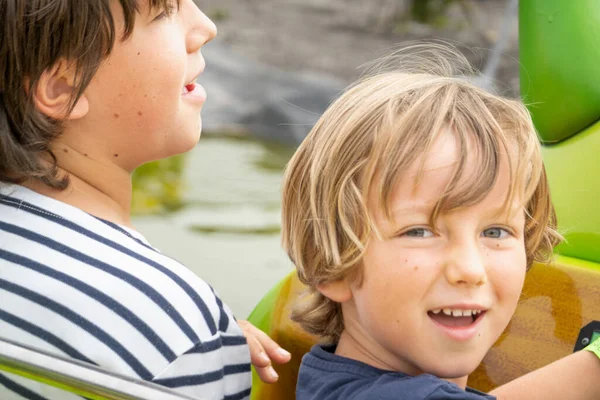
(507, 274)
(393, 275)
(151, 103)
(389, 293)
(154, 75)
(165, 86)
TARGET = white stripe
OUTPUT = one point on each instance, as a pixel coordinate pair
(208, 391)
(237, 383)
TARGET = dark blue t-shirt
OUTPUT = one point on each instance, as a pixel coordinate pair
(326, 376)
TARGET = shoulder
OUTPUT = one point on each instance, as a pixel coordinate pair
(60, 241)
(450, 391)
(324, 374)
(102, 278)
(423, 387)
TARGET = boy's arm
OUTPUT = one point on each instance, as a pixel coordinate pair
(575, 377)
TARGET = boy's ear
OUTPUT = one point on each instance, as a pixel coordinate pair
(54, 91)
(338, 291)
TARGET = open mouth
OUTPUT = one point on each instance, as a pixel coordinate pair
(455, 318)
(188, 88)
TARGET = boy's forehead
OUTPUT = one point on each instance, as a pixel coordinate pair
(443, 155)
(424, 182)
(435, 165)
(447, 152)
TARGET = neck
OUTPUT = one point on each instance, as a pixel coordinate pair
(97, 187)
(350, 347)
(356, 346)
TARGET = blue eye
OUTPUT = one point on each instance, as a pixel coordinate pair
(495, 233)
(418, 233)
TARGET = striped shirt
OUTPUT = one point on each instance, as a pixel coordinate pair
(85, 288)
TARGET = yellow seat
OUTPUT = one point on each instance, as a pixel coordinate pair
(272, 316)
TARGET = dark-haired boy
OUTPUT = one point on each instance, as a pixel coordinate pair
(90, 90)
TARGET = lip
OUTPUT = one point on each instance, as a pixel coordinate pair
(461, 333)
(193, 91)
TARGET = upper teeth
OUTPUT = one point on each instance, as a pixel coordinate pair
(457, 313)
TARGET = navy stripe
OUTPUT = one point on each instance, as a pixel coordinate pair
(97, 295)
(238, 396)
(78, 320)
(223, 318)
(124, 232)
(19, 389)
(191, 380)
(237, 369)
(195, 380)
(142, 286)
(44, 335)
(206, 347)
(68, 224)
(234, 340)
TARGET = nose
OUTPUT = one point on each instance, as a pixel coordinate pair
(465, 265)
(201, 29)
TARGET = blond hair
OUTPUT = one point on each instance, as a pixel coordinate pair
(377, 129)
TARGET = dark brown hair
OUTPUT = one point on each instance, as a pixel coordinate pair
(34, 36)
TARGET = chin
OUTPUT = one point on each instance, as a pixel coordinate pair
(184, 142)
(189, 145)
(194, 136)
(453, 370)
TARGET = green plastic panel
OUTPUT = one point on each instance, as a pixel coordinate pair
(574, 172)
(560, 56)
(571, 262)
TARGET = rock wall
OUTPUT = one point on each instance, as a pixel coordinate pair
(276, 64)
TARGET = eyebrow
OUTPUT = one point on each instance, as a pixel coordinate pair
(425, 208)
(416, 206)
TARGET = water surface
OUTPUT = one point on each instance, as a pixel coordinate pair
(217, 210)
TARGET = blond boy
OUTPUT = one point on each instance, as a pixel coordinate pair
(412, 212)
